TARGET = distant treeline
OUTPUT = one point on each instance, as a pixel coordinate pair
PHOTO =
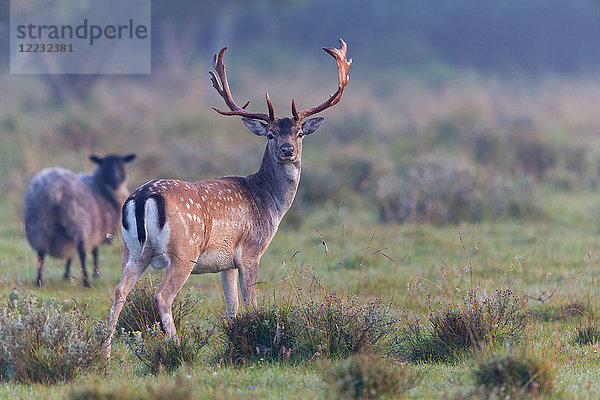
(503, 36)
(491, 35)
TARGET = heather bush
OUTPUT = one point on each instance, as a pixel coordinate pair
(140, 313)
(334, 327)
(161, 354)
(368, 376)
(141, 329)
(514, 375)
(47, 342)
(481, 320)
(337, 327)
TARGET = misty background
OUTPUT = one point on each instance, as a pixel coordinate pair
(456, 110)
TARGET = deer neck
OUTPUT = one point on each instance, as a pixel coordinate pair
(276, 183)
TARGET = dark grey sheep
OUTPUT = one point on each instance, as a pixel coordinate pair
(68, 214)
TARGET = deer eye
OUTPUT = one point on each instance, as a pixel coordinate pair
(300, 134)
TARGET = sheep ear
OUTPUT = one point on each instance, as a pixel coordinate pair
(129, 158)
(96, 159)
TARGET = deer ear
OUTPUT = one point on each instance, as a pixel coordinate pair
(129, 158)
(256, 127)
(94, 158)
(311, 125)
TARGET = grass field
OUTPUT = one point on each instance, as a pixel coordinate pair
(528, 257)
(552, 254)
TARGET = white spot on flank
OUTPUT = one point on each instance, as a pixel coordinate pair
(181, 198)
(183, 223)
(187, 205)
(189, 216)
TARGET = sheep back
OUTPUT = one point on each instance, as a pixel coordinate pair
(62, 208)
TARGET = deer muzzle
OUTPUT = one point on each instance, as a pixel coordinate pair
(286, 150)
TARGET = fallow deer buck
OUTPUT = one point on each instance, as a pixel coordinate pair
(218, 225)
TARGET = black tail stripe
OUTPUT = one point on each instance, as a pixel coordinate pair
(160, 206)
(139, 219)
(124, 215)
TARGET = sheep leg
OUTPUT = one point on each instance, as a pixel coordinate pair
(81, 251)
(95, 255)
(67, 269)
(41, 255)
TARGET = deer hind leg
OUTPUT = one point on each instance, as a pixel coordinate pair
(132, 270)
(229, 278)
(175, 277)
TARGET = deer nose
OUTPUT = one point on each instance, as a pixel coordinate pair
(287, 149)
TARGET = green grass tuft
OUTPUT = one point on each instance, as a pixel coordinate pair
(514, 375)
(368, 376)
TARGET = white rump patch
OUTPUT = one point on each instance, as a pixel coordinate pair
(130, 237)
(156, 237)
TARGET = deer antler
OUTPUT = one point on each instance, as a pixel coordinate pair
(222, 88)
(343, 77)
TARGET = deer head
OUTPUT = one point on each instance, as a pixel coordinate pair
(284, 134)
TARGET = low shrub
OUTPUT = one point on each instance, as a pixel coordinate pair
(47, 342)
(265, 333)
(367, 376)
(337, 327)
(139, 312)
(161, 354)
(515, 375)
(179, 389)
(480, 321)
(334, 327)
(445, 190)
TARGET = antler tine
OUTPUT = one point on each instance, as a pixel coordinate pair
(222, 87)
(270, 107)
(294, 111)
(343, 78)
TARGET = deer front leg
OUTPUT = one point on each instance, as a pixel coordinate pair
(248, 278)
(229, 278)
